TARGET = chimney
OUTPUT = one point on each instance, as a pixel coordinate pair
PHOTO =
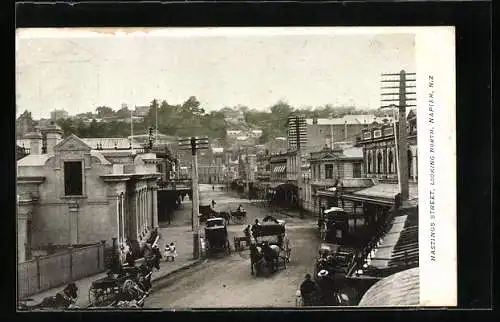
(35, 142)
(54, 135)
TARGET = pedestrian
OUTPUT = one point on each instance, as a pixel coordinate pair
(170, 252)
(255, 226)
(213, 188)
(213, 203)
(307, 290)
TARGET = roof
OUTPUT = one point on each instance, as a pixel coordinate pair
(398, 245)
(400, 289)
(383, 192)
(333, 209)
(349, 119)
(353, 152)
(108, 143)
(99, 155)
(34, 160)
(357, 182)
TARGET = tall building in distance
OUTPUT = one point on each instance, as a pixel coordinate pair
(296, 122)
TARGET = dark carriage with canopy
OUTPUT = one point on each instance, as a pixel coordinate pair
(216, 236)
(333, 225)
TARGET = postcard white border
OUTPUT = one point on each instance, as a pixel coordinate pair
(436, 106)
(435, 56)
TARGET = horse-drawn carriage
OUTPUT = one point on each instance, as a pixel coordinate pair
(111, 289)
(330, 223)
(238, 215)
(216, 236)
(269, 247)
(208, 212)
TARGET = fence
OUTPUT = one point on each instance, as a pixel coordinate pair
(46, 272)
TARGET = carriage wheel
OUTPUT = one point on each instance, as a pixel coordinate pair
(95, 296)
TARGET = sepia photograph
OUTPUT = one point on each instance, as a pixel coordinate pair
(242, 168)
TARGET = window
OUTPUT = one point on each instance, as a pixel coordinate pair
(377, 133)
(369, 165)
(73, 183)
(379, 162)
(391, 162)
(329, 171)
(367, 135)
(410, 163)
(356, 170)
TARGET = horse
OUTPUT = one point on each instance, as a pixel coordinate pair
(62, 300)
(271, 254)
(264, 255)
(256, 256)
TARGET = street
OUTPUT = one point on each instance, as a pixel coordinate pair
(226, 281)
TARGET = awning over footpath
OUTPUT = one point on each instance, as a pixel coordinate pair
(346, 183)
(382, 193)
(399, 246)
(279, 169)
(400, 289)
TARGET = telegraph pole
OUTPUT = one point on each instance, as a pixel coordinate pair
(296, 128)
(247, 173)
(194, 144)
(401, 97)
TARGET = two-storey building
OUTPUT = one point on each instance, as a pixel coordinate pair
(380, 150)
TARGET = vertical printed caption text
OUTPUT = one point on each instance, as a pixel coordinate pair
(432, 169)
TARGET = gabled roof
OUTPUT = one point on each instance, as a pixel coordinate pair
(72, 142)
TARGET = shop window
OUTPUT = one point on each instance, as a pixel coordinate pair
(329, 171)
(73, 175)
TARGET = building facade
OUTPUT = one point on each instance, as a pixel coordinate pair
(330, 168)
(72, 194)
(380, 152)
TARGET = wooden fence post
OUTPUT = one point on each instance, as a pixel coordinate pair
(38, 275)
(70, 252)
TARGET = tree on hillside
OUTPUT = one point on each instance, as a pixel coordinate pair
(192, 106)
(123, 112)
(104, 111)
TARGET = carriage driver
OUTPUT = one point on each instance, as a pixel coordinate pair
(240, 208)
(255, 226)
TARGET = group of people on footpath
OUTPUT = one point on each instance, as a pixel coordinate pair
(320, 292)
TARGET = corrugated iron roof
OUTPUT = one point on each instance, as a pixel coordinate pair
(400, 289)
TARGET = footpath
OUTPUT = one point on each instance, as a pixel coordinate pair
(178, 233)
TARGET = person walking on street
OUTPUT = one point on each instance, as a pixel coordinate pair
(307, 290)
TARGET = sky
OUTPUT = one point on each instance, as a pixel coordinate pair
(77, 70)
